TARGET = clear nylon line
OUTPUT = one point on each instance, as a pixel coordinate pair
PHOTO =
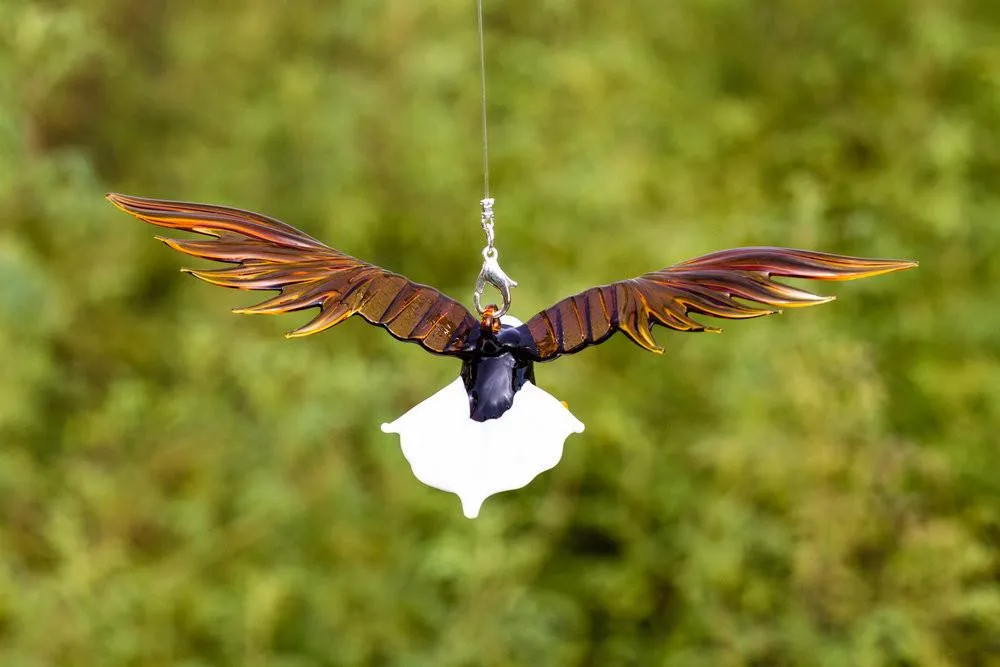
(482, 81)
(491, 273)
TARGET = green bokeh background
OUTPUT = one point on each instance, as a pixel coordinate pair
(182, 486)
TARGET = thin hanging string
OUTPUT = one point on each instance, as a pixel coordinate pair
(491, 273)
(482, 82)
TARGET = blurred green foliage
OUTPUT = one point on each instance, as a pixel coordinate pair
(180, 486)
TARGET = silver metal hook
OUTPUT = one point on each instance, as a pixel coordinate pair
(492, 273)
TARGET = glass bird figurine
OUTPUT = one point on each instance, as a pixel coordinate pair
(492, 429)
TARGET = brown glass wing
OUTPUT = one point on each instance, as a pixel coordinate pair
(271, 255)
(730, 284)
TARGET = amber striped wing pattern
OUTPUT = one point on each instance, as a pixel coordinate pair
(268, 254)
(730, 284)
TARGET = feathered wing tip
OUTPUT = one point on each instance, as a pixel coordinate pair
(268, 254)
(730, 284)
(211, 220)
(791, 263)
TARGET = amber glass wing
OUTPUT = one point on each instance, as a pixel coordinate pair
(730, 284)
(271, 255)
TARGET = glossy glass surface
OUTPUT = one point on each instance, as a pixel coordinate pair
(271, 255)
(729, 284)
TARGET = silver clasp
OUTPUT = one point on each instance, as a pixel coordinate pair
(492, 273)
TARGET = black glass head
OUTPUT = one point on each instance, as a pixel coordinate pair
(493, 374)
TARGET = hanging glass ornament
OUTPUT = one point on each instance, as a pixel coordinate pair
(492, 429)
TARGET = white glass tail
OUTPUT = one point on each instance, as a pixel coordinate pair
(474, 460)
